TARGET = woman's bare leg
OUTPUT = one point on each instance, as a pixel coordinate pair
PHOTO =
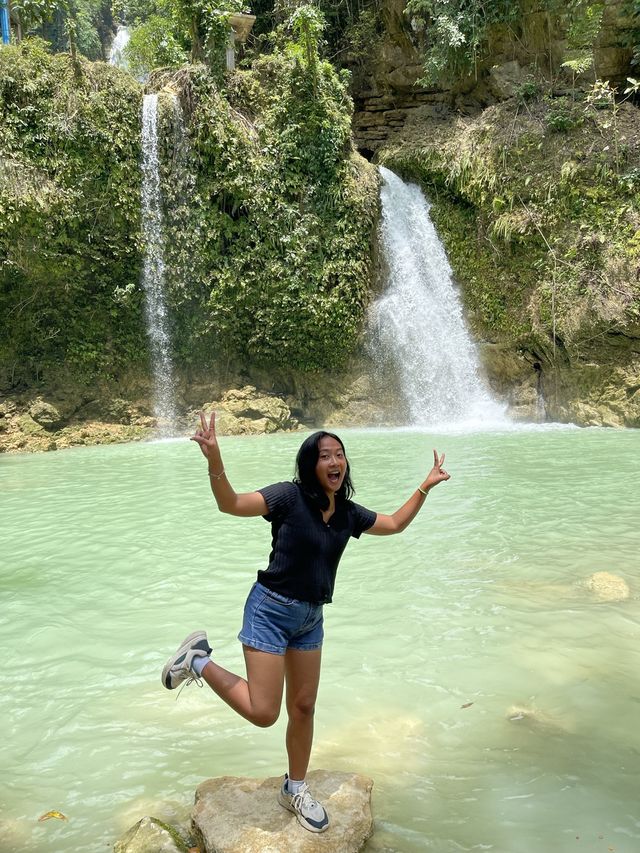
(256, 698)
(302, 672)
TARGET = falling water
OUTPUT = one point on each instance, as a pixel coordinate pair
(116, 55)
(153, 272)
(417, 324)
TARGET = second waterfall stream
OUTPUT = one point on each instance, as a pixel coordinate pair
(417, 327)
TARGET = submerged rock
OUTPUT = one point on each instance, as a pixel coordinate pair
(151, 835)
(240, 815)
(541, 721)
(608, 587)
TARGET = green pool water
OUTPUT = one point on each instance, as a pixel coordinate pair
(110, 555)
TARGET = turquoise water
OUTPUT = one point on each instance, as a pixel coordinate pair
(110, 555)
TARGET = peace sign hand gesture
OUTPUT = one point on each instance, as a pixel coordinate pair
(437, 474)
(205, 437)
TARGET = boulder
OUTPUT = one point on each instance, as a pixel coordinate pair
(151, 835)
(608, 587)
(240, 815)
(506, 79)
(45, 414)
(28, 426)
(246, 411)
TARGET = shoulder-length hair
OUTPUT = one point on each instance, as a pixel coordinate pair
(305, 475)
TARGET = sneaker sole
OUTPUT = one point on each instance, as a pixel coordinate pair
(183, 649)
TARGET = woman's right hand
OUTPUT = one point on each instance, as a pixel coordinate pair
(205, 437)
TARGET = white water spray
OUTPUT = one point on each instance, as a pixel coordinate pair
(417, 323)
(153, 272)
(121, 40)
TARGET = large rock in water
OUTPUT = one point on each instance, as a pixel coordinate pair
(236, 815)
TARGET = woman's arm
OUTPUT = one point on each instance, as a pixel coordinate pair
(247, 504)
(385, 525)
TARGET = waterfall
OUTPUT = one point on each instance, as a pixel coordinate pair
(153, 271)
(121, 40)
(417, 325)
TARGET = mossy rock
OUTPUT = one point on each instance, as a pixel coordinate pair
(151, 835)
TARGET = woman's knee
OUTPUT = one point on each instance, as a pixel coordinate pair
(302, 708)
(265, 718)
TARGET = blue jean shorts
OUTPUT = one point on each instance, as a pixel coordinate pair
(274, 623)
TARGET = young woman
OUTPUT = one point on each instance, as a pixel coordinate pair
(312, 519)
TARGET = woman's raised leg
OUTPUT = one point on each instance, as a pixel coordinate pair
(256, 698)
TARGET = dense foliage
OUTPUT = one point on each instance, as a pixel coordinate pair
(69, 207)
(165, 31)
(81, 26)
(271, 258)
(269, 214)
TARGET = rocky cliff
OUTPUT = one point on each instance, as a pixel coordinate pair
(534, 174)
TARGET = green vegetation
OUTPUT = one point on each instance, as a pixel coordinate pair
(153, 45)
(80, 26)
(632, 7)
(269, 214)
(459, 32)
(166, 32)
(275, 241)
(69, 206)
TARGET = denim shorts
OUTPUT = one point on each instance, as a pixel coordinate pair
(274, 623)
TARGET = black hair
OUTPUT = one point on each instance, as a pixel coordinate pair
(305, 475)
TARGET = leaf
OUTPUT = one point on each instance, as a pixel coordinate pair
(53, 813)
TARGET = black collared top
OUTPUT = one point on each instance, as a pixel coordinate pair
(305, 551)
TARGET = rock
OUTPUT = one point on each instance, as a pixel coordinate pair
(45, 414)
(240, 815)
(608, 587)
(151, 835)
(119, 411)
(246, 411)
(538, 720)
(29, 427)
(612, 61)
(175, 813)
(505, 79)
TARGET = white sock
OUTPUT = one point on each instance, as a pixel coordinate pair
(199, 663)
(293, 785)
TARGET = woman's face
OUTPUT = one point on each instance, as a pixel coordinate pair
(331, 466)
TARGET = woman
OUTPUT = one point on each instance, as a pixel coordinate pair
(312, 519)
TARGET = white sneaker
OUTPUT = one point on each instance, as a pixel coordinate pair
(310, 813)
(178, 668)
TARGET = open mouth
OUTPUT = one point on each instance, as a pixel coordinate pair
(334, 477)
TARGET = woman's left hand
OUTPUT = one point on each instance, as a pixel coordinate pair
(437, 474)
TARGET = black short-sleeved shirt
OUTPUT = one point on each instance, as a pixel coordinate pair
(305, 551)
